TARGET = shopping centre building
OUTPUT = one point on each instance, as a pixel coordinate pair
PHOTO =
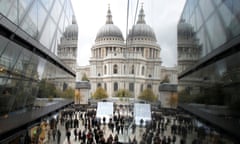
(30, 32)
(209, 62)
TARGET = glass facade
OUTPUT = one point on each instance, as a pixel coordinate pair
(44, 20)
(23, 65)
(215, 77)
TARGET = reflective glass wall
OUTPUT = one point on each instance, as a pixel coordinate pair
(44, 20)
(22, 65)
(215, 78)
(215, 21)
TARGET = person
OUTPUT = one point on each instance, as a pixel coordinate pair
(79, 135)
(133, 128)
(110, 139)
(134, 141)
(75, 134)
(58, 136)
(54, 134)
(49, 135)
(84, 136)
(68, 135)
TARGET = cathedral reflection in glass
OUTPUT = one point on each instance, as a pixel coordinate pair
(30, 32)
(214, 78)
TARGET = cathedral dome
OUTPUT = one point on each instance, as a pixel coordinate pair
(185, 29)
(141, 29)
(71, 31)
(109, 29)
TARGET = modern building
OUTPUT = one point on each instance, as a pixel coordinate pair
(30, 32)
(213, 29)
(133, 65)
(209, 62)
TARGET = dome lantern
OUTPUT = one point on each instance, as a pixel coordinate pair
(109, 16)
(141, 29)
(141, 17)
(109, 30)
(74, 21)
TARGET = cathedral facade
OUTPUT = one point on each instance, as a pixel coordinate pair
(133, 64)
(67, 52)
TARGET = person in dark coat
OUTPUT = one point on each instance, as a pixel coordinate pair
(75, 134)
(58, 136)
(68, 135)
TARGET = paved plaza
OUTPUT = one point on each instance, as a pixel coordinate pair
(127, 133)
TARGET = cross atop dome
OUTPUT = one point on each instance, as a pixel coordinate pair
(141, 16)
(109, 16)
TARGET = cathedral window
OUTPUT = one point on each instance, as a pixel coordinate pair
(141, 89)
(115, 86)
(143, 69)
(105, 86)
(131, 87)
(149, 86)
(132, 71)
(115, 69)
(105, 69)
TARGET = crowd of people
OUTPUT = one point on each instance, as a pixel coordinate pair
(86, 128)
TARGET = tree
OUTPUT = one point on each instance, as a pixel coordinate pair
(78, 96)
(100, 93)
(68, 93)
(84, 77)
(148, 95)
(123, 93)
(46, 89)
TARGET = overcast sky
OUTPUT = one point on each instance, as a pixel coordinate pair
(161, 15)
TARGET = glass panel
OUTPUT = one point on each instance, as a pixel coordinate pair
(203, 39)
(236, 8)
(12, 15)
(47, 3)
(5, 6)
(193, 21)
(215, 31)
(217, 2)
(3, 44)
(7, 96)
(226, 14)
(22, 64)
(62, 1)
(40, 68)
(10, 55)
(56, 11)
(29, 24)
(61, 22)
(22, 7)
(47, 34)
(206, 7)
(199, 20)
(22, 92)
(219, 82)
(42, 14)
